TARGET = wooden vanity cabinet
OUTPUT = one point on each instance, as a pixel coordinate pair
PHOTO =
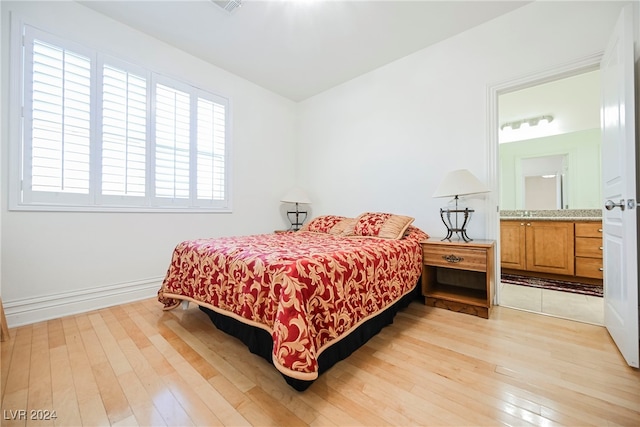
(589, 249)
(512, 245)
(541, 246)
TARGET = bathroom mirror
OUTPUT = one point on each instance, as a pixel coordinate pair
(570, 107)
(567, 165)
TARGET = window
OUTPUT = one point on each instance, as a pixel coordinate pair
(98, 133)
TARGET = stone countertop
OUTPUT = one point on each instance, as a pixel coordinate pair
(550, 218)
(553, 215)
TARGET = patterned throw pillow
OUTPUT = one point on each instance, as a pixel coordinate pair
(342, 228)
(325, 224)
(382, 225)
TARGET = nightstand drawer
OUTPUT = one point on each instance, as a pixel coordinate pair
(455, 257)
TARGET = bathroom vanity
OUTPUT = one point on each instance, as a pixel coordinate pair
(566, 244)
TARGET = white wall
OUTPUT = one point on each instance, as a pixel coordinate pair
(384, 140)
(55, 263)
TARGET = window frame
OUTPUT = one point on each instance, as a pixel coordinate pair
(95, 201)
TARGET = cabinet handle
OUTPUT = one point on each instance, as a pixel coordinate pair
(522, 223)
(601, 269)
(452, 258)
(601, 248)
(528, 224)
(599, 230)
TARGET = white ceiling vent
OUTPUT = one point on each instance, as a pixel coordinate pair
(228, 5)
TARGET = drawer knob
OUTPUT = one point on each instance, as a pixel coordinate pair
(601, 269)
(452, 258)
(601, 247)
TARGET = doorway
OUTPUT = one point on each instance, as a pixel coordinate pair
(549, 165)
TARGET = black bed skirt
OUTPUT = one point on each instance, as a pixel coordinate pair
(260, 342)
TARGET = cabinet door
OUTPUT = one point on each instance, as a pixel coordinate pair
(512, 247)
(550, 247)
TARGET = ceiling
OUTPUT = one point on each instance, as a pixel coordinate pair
(301, 48)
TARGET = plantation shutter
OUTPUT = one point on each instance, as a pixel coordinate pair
(211, 143)
(124, 133)
(172, 144)
(58, 106)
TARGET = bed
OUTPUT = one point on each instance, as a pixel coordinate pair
(302, 300)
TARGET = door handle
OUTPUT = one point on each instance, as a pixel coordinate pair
(609, 204)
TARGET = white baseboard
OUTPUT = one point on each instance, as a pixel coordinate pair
(32, 310)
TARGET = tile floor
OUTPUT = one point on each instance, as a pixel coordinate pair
(583, 308)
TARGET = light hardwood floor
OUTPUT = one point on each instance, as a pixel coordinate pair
(137, 365)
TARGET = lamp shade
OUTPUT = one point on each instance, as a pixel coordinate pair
(458, 183)
(295, 195)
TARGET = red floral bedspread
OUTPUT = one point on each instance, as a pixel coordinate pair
(307, 289)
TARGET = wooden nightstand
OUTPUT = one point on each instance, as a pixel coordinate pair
(458, 275)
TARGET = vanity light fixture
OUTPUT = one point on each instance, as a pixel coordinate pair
(533, 121)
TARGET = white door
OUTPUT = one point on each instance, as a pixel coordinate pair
(620, 216)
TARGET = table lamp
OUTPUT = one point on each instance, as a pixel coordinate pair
(298, 196)
(458, 183)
